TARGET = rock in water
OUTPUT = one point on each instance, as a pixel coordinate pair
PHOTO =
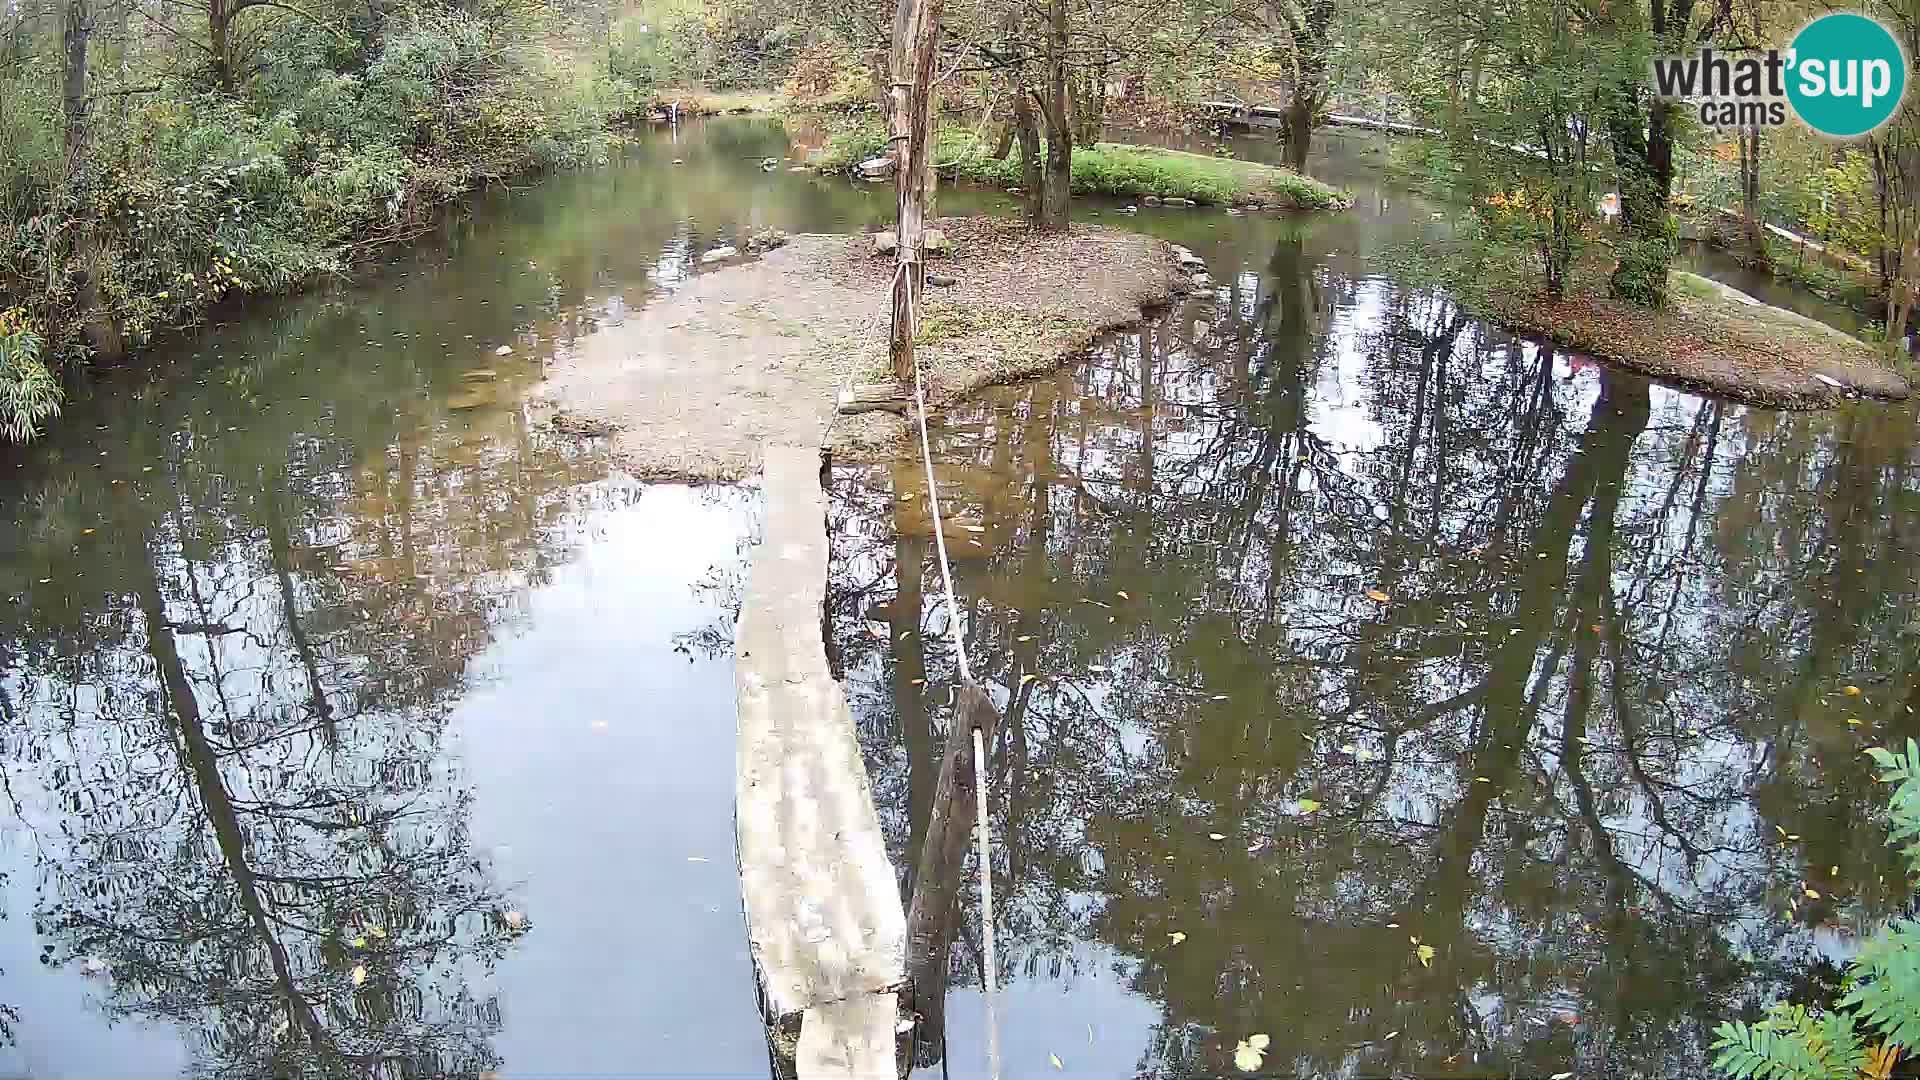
(884, 243)
(1151, 200)
(724, 251)
(766, 240)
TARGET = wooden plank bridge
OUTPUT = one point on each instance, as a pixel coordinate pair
(849, 988)
(823, 914)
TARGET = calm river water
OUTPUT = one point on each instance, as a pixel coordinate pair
(349, 724)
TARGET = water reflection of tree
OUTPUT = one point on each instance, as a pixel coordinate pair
(229, 662)
(1567, 754)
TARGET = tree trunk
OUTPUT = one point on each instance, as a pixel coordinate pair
(1755, 233)
(1299, 134)
(1026, 128)
(1645, 160)
(915, 99)
(1057, 188)
(75, 28)
(1313, 44)
(219, 22)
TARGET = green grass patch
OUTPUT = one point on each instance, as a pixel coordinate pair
(1114, 169)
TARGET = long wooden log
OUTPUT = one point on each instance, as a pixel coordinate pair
(873, 397)
(939, 875)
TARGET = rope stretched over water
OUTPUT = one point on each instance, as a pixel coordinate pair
(982, 834)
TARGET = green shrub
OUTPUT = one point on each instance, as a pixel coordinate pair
(29, 393)
(1873, 1024)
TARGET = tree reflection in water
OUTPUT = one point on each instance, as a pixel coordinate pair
(228, 678)
(1590, 748)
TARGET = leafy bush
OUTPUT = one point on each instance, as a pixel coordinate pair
(29, 393)
(190, 194)
(826, 75)
(1871, 1026)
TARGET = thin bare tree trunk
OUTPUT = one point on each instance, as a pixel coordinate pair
(1057, 189)
(1026, 127)
(913, 92)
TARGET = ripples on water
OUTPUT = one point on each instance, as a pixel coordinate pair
(321, 660)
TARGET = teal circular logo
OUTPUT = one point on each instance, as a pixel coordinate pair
(1845, 75)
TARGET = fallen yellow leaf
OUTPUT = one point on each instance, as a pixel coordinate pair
(1425, 953)
(359, 974)
(1307, 806)
(1377, 596)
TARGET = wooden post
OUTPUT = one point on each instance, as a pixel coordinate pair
(914, 48)
(937, 876)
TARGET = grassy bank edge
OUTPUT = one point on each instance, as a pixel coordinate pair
(1710, 338)
(1117, 169)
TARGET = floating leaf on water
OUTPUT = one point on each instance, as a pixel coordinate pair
(1481, 780)
(1220, 697)
(1377, 596)
(1812, 894)
(1853, 721)
(1176, 937)
(1391, 1035)
(1850, 690)
(1216, 836)
(1248, 1054)
(359, 974)
(1561, 1076)
(1307, 806)
(1054, 1060)
(1122, 594)
(1425, 953)
(1024, 637)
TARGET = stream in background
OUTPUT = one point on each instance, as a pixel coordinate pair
(338, 694)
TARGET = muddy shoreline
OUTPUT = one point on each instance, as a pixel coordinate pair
(757, 350)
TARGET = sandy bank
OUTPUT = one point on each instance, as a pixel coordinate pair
(757, 350)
